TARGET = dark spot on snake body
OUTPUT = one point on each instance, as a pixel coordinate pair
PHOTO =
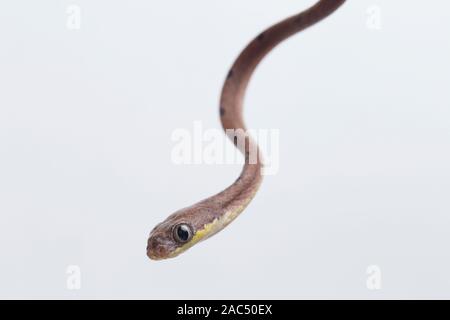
(230, 74)
(299, 19)
(235, 140)
(261, 37)
(222, 111)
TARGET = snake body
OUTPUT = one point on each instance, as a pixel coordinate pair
(188, 226)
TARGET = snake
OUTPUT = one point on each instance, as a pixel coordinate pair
(191, 225)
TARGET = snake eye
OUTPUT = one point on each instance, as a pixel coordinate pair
(182, 233)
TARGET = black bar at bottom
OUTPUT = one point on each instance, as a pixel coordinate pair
(230, 309)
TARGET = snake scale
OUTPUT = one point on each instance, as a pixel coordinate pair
(188, 226)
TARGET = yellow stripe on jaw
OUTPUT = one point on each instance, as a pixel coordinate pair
(209, 230)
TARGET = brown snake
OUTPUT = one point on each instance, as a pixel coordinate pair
(188, 226)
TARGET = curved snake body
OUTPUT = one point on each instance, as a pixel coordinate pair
(188, 226)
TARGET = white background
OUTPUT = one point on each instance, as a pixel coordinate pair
(86, 118)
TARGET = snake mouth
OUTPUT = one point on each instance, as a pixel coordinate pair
(155, 255)
(158, 255)
(152, 256)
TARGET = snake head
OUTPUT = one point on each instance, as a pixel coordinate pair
(182, 230)
(176, 234)
(168, 238)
